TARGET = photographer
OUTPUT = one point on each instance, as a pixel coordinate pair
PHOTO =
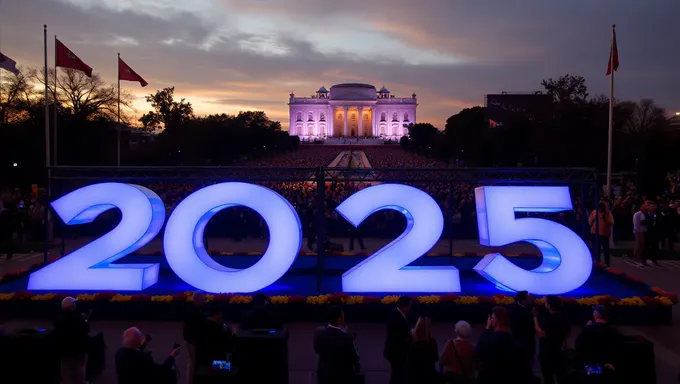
(502, 358)
(134, 366)
(598, 347)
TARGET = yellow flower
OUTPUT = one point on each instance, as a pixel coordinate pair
(390, 299)
(354, 300)
(587, 301)
(468, 300)
(47, 296)
(238, 299)
(6, 296)
(121, 298)
(665, 301)
(85, 297)
(503, 300)
(321, 299)
(209, 298)
(431, 299)
(162, 298)
(279, 299)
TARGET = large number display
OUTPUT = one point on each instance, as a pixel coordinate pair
(566, 260)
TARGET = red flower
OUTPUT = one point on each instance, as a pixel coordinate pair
(569, 300)
(23, 295)
(372, 300)
(221, 297)
(140, 298)
(633, 279)
(486, 300)
(614, 271)
(180, 297)
(651, 300)
(297, 299)
(607, 300)
(104, 296)
(338, 298)
(447, 298)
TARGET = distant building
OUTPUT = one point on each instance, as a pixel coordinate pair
(674, 122)
(505, 106)
(351, 110)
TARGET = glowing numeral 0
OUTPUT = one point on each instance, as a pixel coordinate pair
(386, 270)
(90, 268)
(186, 254)
(566, 259)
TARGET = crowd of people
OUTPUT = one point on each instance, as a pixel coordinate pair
(519, 341)
(22, 214)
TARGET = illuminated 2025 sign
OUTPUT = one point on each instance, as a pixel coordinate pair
(566, 259)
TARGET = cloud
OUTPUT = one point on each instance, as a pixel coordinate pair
(230, 55)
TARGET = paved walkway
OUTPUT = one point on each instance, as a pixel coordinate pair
(666, 339)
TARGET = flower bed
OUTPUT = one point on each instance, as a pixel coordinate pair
(653, 306)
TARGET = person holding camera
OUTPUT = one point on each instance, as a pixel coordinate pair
(135, 366)
(72, 336)
(598, 347)
(501, 357)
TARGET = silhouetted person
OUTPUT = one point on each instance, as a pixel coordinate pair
(522, 322)
(260, 316)
(399, 341)
(552, 327)
(72, 336)
(338, 358)
(424, 354)
(214, 341)
(194, 320)
(600, 344)
(501, 357)
(133, 366)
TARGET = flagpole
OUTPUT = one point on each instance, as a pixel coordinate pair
(56, 135)
(118, 126)
(47, 105)
(47, 198)
(611, 115)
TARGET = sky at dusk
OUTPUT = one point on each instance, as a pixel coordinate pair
(232, 55)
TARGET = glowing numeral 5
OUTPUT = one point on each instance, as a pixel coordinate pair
(386, 270)
(186, 254)
(90, 268)
(566, 259)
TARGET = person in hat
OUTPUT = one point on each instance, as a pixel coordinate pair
(599, 343)
(72, 336)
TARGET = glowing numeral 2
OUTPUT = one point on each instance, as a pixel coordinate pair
(386, 270)
(566, 259)
(186, 254)
(90, 268)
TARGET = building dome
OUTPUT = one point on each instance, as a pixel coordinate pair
(322, 90)
(384, 90)
(353, 91)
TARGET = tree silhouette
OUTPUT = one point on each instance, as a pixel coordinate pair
(167, 113)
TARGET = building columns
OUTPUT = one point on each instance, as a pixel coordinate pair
(344, 116)
(329, 126)
(361, 122)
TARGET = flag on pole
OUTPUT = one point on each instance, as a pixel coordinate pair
(67, 59)
(8, 64)
(126, 73)
(613, 64)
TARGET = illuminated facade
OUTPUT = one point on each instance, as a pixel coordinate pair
(351, 110)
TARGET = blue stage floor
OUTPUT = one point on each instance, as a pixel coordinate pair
(302, 279)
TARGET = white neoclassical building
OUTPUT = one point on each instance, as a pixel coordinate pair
(351, 110)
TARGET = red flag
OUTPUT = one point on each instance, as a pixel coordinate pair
(67, 59)
(126, 73)
(613, 56)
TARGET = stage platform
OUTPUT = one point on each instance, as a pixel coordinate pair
(303, 291)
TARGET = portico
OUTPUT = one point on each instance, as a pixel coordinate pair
(353, 110)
